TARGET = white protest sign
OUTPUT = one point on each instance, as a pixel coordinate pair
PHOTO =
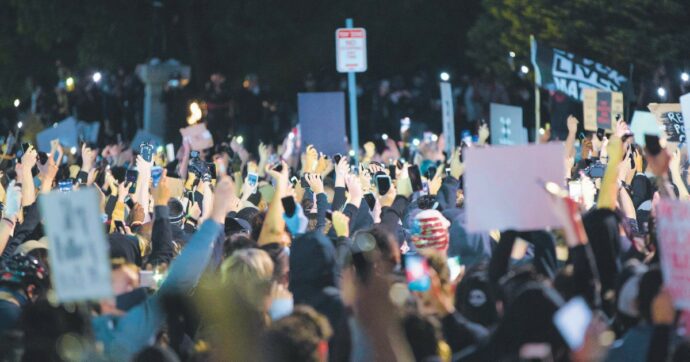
(351, 50)
(79, 258)
(673, 233)
(644, 123)
(448, 116)
(685, 109)
(504, 186)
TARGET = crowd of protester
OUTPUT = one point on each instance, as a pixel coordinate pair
(251, 106)
(282, 254)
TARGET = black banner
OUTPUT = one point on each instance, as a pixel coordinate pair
(566, 72)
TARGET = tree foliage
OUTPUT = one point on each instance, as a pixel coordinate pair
(645, 33)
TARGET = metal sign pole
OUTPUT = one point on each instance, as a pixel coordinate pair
(352, 91)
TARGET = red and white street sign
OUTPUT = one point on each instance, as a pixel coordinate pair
(351, 50)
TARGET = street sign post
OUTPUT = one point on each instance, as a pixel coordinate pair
(351, 58)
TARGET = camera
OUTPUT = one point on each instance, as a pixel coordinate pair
(199, 167)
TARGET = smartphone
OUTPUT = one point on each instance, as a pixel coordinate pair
(392, 171)
(383, 184)
(337, 157)
(212, 171)
(600, 134)
(120, 226)
(294, 180)
(415, 178)
(236, 163)
(329, 215)
(129, 202)
(131, 176)
(289, 205)
(146, 151)
(156, 173)
(572, 320)
(278, 167)
(303, 182)
(431, 172)
(417, 273)
(146, 279)
(66, 185)
(253, 179)
(170, 152)
(454, 267)
(652, 144)
(42, 158)
(370, 200)
(519, 249)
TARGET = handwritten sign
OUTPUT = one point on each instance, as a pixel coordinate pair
(601, 108)
(80, 265)
(670, 116)
(673, 232)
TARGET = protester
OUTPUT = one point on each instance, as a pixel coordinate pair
(277, 255)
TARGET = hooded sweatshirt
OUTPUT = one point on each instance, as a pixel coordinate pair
(313, 274)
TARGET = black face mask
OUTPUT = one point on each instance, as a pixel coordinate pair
(127, 301)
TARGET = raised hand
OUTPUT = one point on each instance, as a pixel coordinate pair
(572, 123)
(354, 189)
(315, 182)
(341, 224)
(311, 159)
(457, 168)
(161, 194)
(483, 133)
(88, 158)
(29, 158)
(223, 197)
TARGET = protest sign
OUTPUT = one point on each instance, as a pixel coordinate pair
(88, 131)
(522, 203)
(199, 137)
(79, 258)
(557, 69)
(600, 109)
(670, 117)
(506, 125)
(644, 123)
(322, 121)
(673, 234)
(685, 109)
(66, 131)
(448, 116)
(143, 136)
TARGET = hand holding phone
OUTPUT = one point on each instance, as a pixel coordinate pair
(383, 184)
(417, 273)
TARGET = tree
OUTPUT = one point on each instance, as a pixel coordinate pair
(645, 33)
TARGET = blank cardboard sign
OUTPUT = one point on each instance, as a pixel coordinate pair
(504, 186)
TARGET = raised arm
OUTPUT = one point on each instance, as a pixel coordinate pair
(608, 193)
(274, 225)
(570, 139)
